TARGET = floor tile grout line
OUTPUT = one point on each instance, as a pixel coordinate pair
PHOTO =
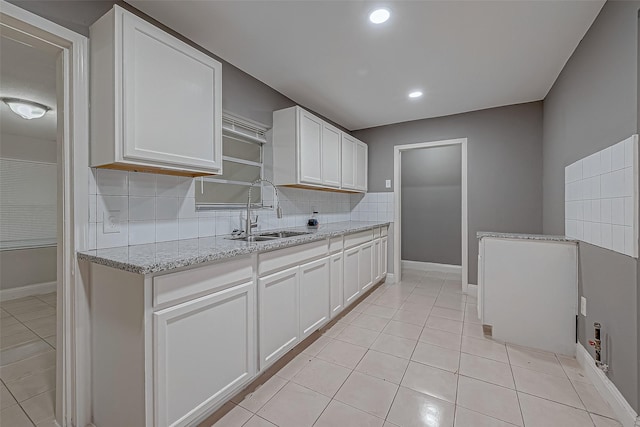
(513, 376)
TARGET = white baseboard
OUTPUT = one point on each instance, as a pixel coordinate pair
(432, 266)
(472, 290)
(27, 291)
(624, 412)
(391, 278)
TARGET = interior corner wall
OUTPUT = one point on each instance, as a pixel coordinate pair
(504, 170)
(594, 104)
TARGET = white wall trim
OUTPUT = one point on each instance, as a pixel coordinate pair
(27, 291)
(73, 358)
(391, 278)
(397, 187)
(624, 412)
(431, 266)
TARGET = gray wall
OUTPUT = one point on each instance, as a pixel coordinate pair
(432, 205)
(27, 267)
(592, 105)
(504, 165)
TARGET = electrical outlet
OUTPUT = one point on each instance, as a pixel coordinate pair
(583, 306)
(387, 183)
(111, 222)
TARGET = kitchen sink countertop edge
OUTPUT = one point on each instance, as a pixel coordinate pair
(163, 256)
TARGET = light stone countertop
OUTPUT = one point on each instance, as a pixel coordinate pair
(540, 237)
(158, 257)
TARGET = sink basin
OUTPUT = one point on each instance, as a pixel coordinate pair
(283, 234)
(254, 238)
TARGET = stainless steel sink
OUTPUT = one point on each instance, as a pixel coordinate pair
(254, 238)
(269, 236)
(284, 234)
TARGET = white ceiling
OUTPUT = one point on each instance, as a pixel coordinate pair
(327, 56)
(27, 71)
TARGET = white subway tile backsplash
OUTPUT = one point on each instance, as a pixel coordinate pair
(605, 160)
(142, 232)
(605, 211)
(142, 184)
(628, 211)
(617, 238)
(617, 211)
(142, 208)
(167, 186)
(157, 208)
(606, 235)
(166, 230)
(601, 198)
(188, 228)
(112, 182)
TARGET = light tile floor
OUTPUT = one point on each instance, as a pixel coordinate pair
(28, 361)
(413, 354)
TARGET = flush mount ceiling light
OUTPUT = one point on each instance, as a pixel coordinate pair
(415, 94)
(379, 16)
(26, 109)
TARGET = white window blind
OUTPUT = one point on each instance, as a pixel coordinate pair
(28, 204)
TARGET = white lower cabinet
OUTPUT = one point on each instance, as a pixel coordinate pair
(384, 256)
(377, 265)
(278, 296)
(314, 296)
(351, 283)
(337, 291)
(203, 349)
(365, 266)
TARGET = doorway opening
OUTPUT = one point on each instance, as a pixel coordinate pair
(43, 221)
(430, 192)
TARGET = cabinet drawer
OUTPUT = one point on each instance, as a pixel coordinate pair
(269, 262)
(384, 231)
(356, 239)
(336, 244)
(188, 284)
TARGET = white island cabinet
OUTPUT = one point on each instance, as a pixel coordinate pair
(156, 102)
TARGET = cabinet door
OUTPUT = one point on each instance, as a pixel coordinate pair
(278, 314)
(350, 282)
(310, 148)
(331, 156)
(337, 291)
(314, 296)
(384, 257)
(171, 99)
(361, 165)
(203, 350)
(377, 266)
(348, 162)
(365, 266)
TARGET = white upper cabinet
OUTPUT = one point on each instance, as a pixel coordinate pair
(349, 162)
(156, 102)
(331, 155)
(311, 153)
(362, 154)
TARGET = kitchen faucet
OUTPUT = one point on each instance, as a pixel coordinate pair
(250, 224)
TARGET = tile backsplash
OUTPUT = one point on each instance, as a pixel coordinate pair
(601, 198)
(156, 208)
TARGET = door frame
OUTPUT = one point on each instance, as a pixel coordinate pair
(397, 192)
(73, 386)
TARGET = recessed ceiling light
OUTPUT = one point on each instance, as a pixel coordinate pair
(415, 94)
(379, 16)
(26, 109)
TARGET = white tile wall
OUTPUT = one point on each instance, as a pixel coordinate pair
(601, 198)
(156, 208)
